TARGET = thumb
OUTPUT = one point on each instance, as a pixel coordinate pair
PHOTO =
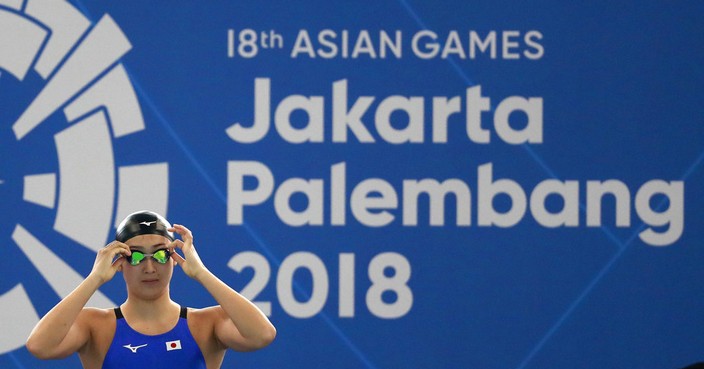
(178, 258)
(118, 263)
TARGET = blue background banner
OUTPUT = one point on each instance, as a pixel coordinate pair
(397, 184)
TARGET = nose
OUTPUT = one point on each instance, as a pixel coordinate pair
(149, 266)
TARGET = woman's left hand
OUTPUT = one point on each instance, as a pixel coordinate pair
(190, 261)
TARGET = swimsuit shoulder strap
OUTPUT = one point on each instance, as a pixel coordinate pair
(118, 313)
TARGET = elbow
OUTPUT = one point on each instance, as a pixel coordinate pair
(43, 350)
(36, 349)
(267, 337)
(263, 339)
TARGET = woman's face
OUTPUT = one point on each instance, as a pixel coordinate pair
(149, 279)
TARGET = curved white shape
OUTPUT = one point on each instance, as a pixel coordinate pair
(114, 91)
(40, 189)
(103, 46)
(20, 41)
(17, 318)
(142, 187)
(60, 276)
(67, 25)
(87, 181)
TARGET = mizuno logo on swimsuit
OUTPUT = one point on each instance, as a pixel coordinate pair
(134, 349)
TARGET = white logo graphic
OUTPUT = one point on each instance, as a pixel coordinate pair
(148, 223)
(84, 103)
(173, 345)
(134, 349)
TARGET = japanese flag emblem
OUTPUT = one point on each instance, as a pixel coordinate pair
(173, 345)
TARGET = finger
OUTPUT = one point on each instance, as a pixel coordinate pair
(118, 263)
(120, 253)
(175, 244)
(179, 259)
(113, 251)
(115, 244)
(117, 257)
(116, 247)
(181, 230)
(181, 227)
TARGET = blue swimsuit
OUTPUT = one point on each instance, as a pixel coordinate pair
(171, 350)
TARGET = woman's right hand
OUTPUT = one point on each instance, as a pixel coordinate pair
(109, 260)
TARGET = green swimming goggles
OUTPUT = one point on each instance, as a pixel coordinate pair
(161, 256)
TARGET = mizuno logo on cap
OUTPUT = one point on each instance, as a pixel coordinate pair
(148, 223)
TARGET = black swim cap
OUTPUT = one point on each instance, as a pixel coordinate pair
(143, 222)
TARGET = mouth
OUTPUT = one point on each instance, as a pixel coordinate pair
(149, 281)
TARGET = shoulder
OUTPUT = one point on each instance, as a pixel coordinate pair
(202, 324)
(205, 317)
(91, 316)
(101, 324)
(98, 312)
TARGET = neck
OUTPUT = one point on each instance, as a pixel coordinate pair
(149, 308)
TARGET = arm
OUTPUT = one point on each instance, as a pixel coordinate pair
(241, 326)
(66, 327)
